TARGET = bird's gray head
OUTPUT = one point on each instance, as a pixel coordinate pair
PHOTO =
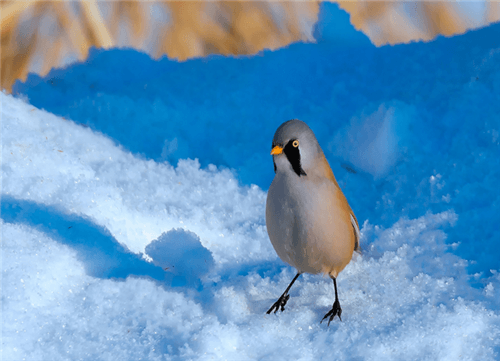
(295, 148)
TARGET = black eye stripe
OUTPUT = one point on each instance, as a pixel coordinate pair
(293, 155)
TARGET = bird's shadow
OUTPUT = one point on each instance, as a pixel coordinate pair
(100, 253)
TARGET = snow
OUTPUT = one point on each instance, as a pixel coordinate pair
(132, 209)
(372, 143)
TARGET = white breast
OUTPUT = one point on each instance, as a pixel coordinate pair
(308, 225)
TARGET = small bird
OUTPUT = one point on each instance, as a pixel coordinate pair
(309, 222)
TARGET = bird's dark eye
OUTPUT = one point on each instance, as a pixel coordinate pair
(295, 143)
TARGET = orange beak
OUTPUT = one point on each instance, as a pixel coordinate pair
(277, 150)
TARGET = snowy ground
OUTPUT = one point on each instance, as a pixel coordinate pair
(115, 245)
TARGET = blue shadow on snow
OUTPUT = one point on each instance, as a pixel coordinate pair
(101, 254)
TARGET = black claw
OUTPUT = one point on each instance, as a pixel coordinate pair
(283, 299)
(279, 304)
(335, 311)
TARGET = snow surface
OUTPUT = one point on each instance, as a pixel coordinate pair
(117, 246)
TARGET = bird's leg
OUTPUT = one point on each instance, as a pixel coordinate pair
(283, 299)
(336, 310)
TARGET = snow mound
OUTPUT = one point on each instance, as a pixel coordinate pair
(405, 297)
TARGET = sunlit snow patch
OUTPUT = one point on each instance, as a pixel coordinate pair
(180, 253)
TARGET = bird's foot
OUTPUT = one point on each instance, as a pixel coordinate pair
(335, 311)
(279, 304)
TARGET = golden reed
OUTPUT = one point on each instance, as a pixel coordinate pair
(39, 35)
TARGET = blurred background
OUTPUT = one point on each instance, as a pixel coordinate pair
(37, 36)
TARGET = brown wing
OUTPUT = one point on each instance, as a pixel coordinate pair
(354, 221)
(357, 234)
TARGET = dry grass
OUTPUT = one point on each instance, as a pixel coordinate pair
(39, 35)
(237, 28)
(401, 21)
(194, 29)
